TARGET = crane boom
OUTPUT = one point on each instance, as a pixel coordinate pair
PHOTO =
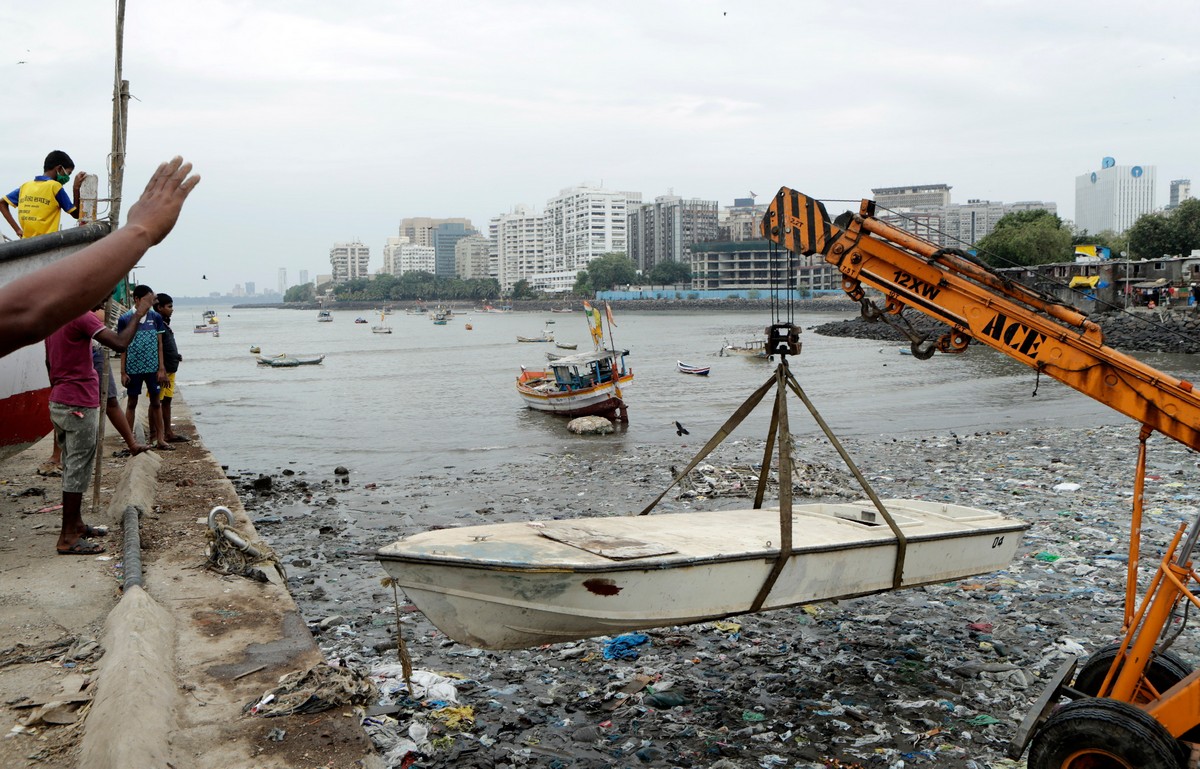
(977, 303)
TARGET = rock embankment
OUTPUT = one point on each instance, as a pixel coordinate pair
(1134, 331)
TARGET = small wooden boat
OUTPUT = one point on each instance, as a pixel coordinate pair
(360, 320)
(586, 384)
(325, 316)
(545, 337)
(256, 350)
(520, 585)
(696, 370)
(469, 327)
(563, 346)
(383, 327)
(204, 329)
(282, 360)
(752, 349)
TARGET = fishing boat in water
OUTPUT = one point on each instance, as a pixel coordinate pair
(694, 370)
(564, 346)
(585, 384)
(360, 320)
(324, 316)
(283, 360)
(753, 349)
(383, 327)
(520, 585)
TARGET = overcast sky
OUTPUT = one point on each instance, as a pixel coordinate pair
(315, 122)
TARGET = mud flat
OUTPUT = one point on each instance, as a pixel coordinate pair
(934, 676)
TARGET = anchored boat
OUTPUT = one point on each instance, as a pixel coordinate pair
(586, 384)
(695, 370)
(518, 585)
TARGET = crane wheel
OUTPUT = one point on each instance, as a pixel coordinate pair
(1163, 671)
(1103, 734)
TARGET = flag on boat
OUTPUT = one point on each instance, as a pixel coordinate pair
(608, 313)
(595, 324)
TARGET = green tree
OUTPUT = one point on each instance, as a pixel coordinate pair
(612, 269)
(302, 293)
(583, 284)
(522, 290)
(1175, 233)
(669, 273)
(1024, 238)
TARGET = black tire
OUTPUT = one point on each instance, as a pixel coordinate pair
(1103, 734)
(1163, 671)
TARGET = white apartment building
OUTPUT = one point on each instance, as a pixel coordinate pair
(952, 225)
(585, 222)
(472, 257)
(912, 196)
(517, 248)
(1113, 197)
(349, 261)
(662, 231)
(401, 256)
(1181, 190)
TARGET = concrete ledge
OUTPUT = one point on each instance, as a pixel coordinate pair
(134, 712)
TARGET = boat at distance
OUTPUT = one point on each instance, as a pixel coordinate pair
(256, 349)
(547, 335)
(383, 328)
(360, 320)
(756, 348)
(284, 360)
(325, 316)
(525, 584)
(696, 370)
(565, 346)
(581, 385)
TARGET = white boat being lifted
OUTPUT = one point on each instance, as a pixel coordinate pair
(519, 585)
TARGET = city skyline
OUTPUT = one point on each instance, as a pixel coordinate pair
(333, 127)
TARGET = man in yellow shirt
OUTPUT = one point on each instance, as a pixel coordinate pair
(40, 202)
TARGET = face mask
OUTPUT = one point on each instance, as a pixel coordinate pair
(62, 178)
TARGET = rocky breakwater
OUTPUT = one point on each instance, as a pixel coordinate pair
(1132, 331)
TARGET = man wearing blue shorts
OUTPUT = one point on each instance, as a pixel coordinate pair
(142, 363)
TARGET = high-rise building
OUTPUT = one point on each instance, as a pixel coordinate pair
(662, 231)
(517, 246)
(445, 236)
(249, 288)
(349, 261)
(1113, 197)
(585, 222)
(304, 277)
(419, 229)
(472, 257)
(1181, 190)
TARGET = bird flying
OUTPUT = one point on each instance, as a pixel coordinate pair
(680, 429)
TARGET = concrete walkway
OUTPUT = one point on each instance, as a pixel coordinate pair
(154, 677)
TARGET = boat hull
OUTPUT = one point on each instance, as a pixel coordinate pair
(519, 585)
(24, 385)
(538, 390)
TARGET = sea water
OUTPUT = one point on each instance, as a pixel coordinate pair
(427, 397)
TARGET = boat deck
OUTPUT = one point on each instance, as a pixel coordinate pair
(512, 585)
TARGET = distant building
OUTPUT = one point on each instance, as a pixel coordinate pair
(582, 223)
(304, 277)
(747, 265)
(349, 261)
(472, 257)
(912, 196)
(400, 256)
(926, 211)
(741, 221)
(419, 229)
(283, 286)
(662, 231)
(323, 279)
(1181, 190)
(517, 250)
(445, 236)
(250, 288)
(1113, 197)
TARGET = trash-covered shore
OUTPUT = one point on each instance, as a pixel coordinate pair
(933, 676)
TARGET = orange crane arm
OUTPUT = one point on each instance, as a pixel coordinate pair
(977, 303)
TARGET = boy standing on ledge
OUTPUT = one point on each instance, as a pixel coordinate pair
(40, 201)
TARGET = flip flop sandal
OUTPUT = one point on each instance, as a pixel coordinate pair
(82, 547)
(95, 531)
(179, 439)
